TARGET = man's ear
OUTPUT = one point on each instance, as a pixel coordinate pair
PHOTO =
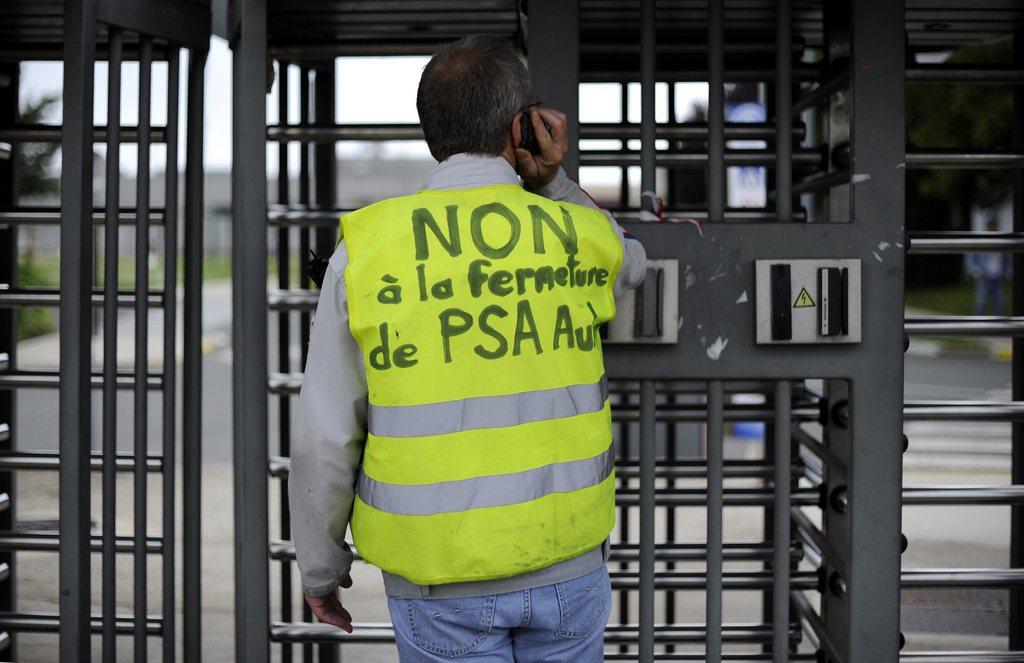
(516, 133)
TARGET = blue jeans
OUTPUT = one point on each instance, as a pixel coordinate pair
(550, 624)
(988, 290)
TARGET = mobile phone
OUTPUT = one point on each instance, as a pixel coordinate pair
(527, 136)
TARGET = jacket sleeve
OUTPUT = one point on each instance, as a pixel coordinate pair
(634, 256)
(327, 444)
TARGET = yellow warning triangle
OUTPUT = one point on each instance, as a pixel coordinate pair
(803, 300)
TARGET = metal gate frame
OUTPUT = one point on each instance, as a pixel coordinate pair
(855, 479)
(79, 33)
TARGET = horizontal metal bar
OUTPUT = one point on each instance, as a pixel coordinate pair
(920, 410)
(732, 657)
(49, 622)
(988, 74)
(731, 580)
(829, 458)
(588, 131)
(698, 158)
(812, 538)
(282, 551)
(50, 542)
(20, 297)
(821, 181)
(50, 460)
(963, 242)
(51, 380)
(962, 657)
(821, 92)
(964, 325)
(46, 133)
(343, 132)
(380, 633)
(292, 300)
(812, 625)
(730, 215)
(50, 216)
(935, 495)
(731, 497)
(967, 159)
(979, 578)
(297, 216)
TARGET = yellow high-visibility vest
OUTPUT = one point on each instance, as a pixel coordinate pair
(489, 443)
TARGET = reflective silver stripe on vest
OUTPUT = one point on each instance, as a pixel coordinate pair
(478, 492)
(486, 411)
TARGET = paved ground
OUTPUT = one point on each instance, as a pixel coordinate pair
(951, 453)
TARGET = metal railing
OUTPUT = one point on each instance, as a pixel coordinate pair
(116, 32)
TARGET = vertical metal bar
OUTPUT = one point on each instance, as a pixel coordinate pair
(1017, 367)
(249, 335)
(304, 233)
(780, 537)
(110, 264)
(554, 60)
(648, 77)
(192, 384)
(624, 170)
(284, 342)
(624, 534)
(877, 148)
(783, 113)
(647, 524)
(169, 362)
(76, 258)
(9, 332)
(304, 281)
(715, 439)
(141, 397)
(716, 111)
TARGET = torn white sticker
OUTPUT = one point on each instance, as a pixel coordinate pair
(742, 298)
(860, 177)
(715, 350)
(882, 246)
(877, 257)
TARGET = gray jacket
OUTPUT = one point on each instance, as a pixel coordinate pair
(330, 420)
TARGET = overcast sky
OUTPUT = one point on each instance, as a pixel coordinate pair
(370, 89)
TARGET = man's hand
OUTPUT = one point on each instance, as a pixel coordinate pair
(328, 608)
(539, 169)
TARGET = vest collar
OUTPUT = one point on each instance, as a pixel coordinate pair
(466, 171)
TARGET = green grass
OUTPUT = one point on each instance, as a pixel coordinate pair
(950, 300)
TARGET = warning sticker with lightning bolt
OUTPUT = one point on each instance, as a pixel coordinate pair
(803, 300)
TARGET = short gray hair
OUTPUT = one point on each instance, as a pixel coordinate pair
(468, 95)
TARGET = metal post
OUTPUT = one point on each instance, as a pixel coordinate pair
(783, 112)
(110, 286)
(713, 548)
(192, 384)
(284, 342)
(716, 111)
(249, 336)
(9, 331)
(648, 78)
(141, 395)
(780, 536)
(75, 327)
(875, 413)
(169, 367)
(647, 524)
(1016, 626)
(648, 394)
(554, 60)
